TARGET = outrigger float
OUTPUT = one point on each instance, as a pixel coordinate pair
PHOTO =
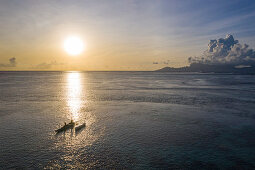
(80, 127)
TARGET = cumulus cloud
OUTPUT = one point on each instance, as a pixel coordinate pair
(12, 63)
(226, 51)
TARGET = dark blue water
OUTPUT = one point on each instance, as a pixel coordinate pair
(134, 120)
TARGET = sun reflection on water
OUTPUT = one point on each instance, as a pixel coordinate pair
(72, 144)
(74, 95)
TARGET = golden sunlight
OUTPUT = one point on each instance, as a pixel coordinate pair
(74, 45)
(74, 94)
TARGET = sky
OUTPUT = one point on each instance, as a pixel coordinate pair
(119, 34)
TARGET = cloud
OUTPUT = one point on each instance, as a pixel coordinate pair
(166, 62)
(226, 51)
(44, 66)
(12, 63)
(47, 65)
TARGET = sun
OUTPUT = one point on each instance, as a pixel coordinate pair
(74, 45)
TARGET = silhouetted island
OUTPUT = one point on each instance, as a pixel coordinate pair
(208, 68)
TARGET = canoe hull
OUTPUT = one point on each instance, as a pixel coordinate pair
(65, 127)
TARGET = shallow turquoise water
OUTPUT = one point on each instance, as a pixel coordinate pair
(135, 120)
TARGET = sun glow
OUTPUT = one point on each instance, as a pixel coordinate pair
(74, 45)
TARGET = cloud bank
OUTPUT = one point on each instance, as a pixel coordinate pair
(48, 65)
(226, 51)
(161, 62)
(12, 63)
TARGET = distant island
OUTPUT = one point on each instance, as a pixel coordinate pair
(208, 68)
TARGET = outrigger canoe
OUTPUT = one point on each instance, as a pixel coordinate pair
(66, 127)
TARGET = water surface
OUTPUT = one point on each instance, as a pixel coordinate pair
(136, 120)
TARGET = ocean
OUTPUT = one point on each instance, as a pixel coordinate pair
(134, 120)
